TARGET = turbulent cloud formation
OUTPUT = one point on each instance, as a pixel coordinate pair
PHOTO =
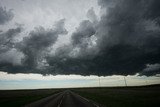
(127, 39)
(7, 39)
(152, 68)
(124, 41)
(10, 57)
(5, 15)
(35, 45)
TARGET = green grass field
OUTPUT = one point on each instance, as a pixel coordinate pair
(148, 96)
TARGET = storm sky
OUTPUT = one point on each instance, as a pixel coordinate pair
(80, 37)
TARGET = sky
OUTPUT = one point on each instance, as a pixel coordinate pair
(64, 43)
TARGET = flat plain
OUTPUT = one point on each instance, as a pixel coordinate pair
(142, 96)
(18, 98)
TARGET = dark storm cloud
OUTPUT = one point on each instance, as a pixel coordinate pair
(39, 40)
(5, 15)
(6, 39)
(9, 56)
(33, 48)
(85, 30)
(123, 42)
(82, 39)
(128, 37)
(151, 69)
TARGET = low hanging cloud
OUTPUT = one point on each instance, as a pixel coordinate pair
(5, 15)
(11, 56)
(123, 41)
(152, 69)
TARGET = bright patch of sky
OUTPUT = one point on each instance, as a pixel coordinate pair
(34, 81)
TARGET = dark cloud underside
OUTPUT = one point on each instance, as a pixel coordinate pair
(126, 40)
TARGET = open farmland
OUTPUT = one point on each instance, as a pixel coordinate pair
(18, 98)
(144, 96)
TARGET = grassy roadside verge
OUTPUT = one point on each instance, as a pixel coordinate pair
(18, 98)
(123, 97)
